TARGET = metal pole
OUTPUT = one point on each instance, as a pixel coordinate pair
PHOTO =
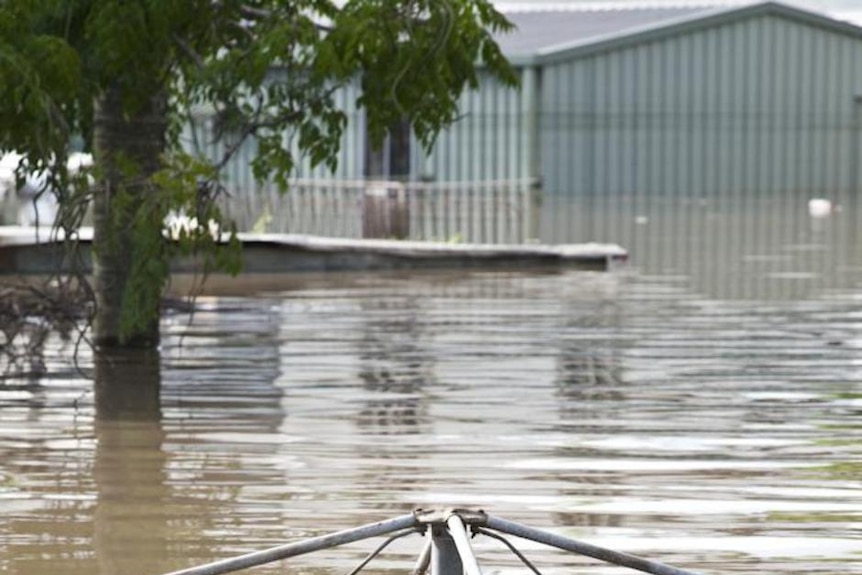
(600, 553)
(302, 547)
(444, 555)
(424, 559)
(855, 190)
(462, 543)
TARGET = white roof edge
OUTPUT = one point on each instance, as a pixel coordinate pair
(613, 5)
(693, 18)
(673, 21)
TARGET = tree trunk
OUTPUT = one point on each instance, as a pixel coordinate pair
(127, 146)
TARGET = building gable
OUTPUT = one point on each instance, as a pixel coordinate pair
(542, 30)
(619, 29)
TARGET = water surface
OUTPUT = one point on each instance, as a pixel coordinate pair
(624, 410)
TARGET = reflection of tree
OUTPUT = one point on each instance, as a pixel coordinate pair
(130, 526)
(169, 461)
(30, 316)
(128, 386)
(172, 457)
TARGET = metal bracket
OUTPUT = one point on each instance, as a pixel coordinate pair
(451, 553)
(435, 517)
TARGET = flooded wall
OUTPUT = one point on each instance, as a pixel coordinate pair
(761, 107)
(700, 152)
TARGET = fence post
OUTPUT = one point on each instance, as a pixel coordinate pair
(534, 210)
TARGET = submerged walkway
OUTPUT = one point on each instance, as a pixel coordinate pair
(26, 251)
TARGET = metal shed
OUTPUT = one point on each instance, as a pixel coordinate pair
(624, 111)
(737, 106)
(719, 145)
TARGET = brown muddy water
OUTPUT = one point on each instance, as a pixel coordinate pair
(625, 410)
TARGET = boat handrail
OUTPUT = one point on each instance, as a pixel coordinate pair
(447, 550)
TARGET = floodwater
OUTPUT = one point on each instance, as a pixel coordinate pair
(632, 410)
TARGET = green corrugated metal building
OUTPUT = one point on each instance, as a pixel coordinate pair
(685, 106)
(620, 110)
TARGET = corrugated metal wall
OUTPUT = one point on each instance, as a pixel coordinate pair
(701, 150)
(198, 138)
(486, 143)
(761, 107)
(755, 108)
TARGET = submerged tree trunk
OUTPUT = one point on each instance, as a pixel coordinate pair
(127, 146)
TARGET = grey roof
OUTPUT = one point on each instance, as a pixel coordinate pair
(554, 34)
(539, 30)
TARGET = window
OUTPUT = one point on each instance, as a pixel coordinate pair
(391, 161)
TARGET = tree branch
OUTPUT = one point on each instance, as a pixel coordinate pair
(189, 51)
(261, 14)
(255, 13)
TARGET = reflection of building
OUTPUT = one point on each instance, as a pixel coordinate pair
(591, 391)
(590, 383)
(744, 248)
(395, 366)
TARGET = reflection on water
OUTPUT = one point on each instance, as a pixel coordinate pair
(395, 365)
(750, 246)
(129, 464)
(630, 410)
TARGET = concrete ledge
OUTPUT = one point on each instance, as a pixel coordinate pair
(26, 251)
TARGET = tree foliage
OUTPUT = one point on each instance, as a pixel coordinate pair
(126, 74)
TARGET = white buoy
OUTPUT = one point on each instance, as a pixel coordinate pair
(819, 208)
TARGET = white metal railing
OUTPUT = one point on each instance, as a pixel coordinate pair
(448, 550)
(495, 211)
